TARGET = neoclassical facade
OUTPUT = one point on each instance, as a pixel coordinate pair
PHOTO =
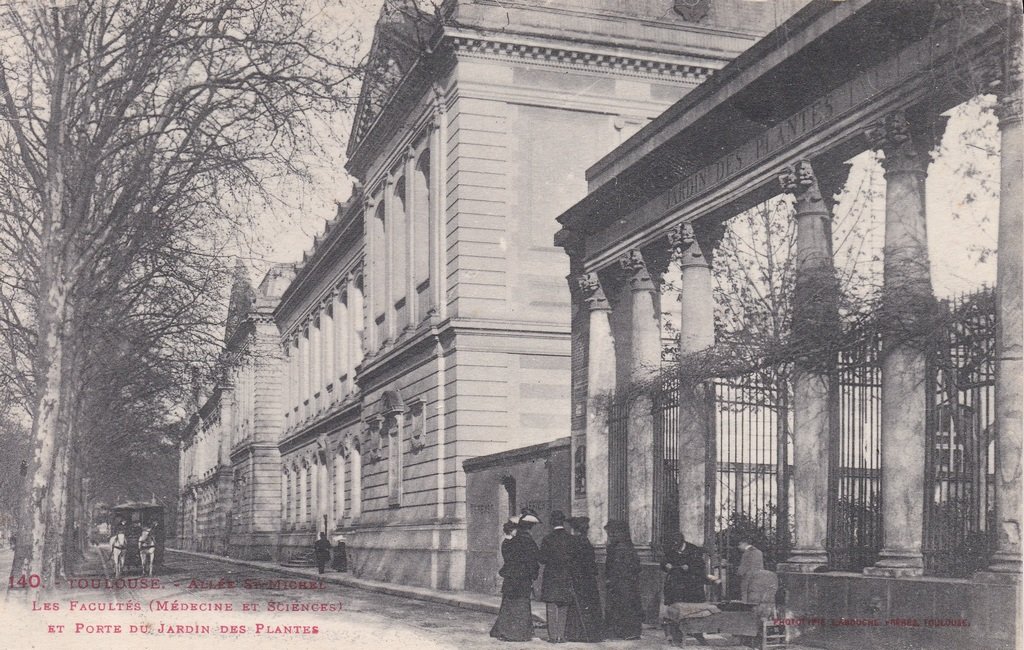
(429, 323)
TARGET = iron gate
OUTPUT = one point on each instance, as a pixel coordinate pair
(855, 458)
(960, 440)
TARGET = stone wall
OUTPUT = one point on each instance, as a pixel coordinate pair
(540, 476)
(903, 612)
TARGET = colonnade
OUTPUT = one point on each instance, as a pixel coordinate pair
(623, 328)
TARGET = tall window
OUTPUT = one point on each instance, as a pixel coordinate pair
(356, 481)
(399, 268)
(378, 267)
(339, 484)
(421, 221)
(393, 426)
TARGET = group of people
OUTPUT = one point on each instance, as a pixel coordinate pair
(322, 548)
(569, 585)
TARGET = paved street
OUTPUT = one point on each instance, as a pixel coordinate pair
(354, 618)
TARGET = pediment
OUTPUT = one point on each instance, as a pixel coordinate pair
(401, 34)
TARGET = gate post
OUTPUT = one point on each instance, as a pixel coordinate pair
(815, 319)
(696, 334)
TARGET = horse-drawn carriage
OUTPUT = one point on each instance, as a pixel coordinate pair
(138, 537)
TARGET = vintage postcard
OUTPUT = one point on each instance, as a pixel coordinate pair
(493, 323)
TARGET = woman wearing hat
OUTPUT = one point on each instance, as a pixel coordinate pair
(519, 554)
(623, 610)
(585, 622)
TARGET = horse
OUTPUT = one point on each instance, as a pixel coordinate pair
(118, 545)
(147, 550)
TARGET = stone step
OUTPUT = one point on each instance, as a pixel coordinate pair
(300, 560)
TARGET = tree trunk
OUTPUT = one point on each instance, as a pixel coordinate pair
(30, 552)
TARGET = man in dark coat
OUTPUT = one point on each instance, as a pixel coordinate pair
(556, 554)
(684, 564)
(322, 550)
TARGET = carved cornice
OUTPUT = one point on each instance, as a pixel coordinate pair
(906, 141)
(553, 56)
(591, 292)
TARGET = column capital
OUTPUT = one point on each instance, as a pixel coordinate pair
(1008, 109)
(907, 141)
(695, 242)
(635, 270)
(800, 181)
(589, 286)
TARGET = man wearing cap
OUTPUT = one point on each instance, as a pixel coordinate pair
(556, 554)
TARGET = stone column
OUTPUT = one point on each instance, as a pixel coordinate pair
(411, 303)
(644, 362)
(1006, 560)
(304, 391)
(435, 227)
(696, 334)
(906, 302)
(329, 373)
(815, 318)
(600, 390)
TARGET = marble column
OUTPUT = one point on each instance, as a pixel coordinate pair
(600, 390)
(906, 302)
(1006, 560)
(815, 318)
(696, 334)
(644, 363)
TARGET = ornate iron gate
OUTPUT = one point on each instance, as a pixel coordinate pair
(618, 466)
(960, 440)
(752, 435)
(855, 462)
(666, 460)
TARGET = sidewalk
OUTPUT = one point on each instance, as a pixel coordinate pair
(462, 599)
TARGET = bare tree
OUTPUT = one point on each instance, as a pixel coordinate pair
(130, 131)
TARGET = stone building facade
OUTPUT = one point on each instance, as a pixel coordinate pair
(229, 466)
(429, 323)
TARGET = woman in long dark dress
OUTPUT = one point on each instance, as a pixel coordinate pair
(623, 609)
(585, 622)
(519, 554)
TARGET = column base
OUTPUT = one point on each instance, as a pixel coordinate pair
(897, 563)
(1005, 568)
(805, 560)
